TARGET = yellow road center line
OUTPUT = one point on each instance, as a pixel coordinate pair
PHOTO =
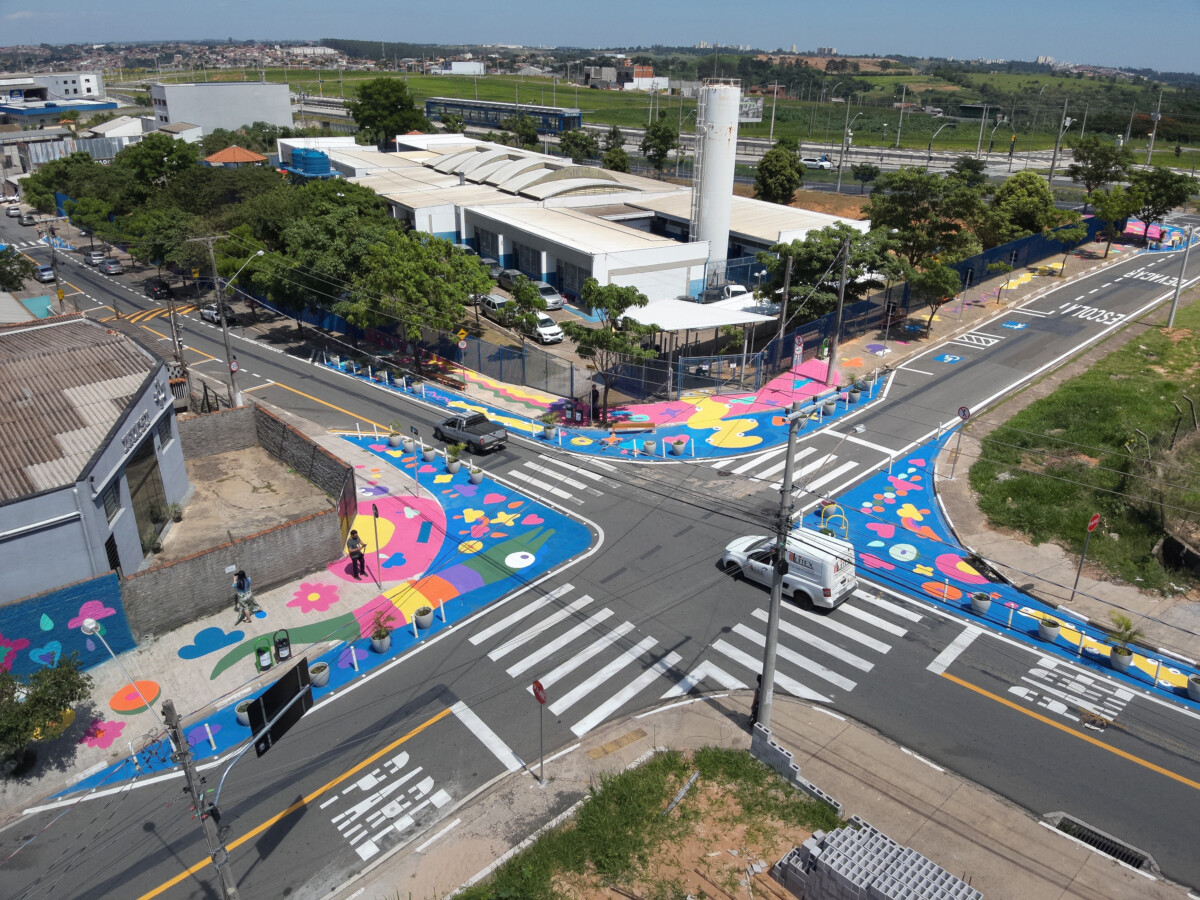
(299, 804)
(331, 406)
(1174, 776)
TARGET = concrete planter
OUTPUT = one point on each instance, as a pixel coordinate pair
(548, 432)
(242, 712)
(853, 396)
(428, 453)
(648, 447)
(980, 603)
(318, 674)
(1120, 658)
(395, 440)
(476, 476)
(453, 465)
(1193, 687)
(383, 644)
(423, 617)
(829, 407)
(1048, 630)
(677, 448)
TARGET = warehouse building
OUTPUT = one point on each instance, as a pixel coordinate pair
(224, 104)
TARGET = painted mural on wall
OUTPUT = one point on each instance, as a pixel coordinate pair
(37, 632)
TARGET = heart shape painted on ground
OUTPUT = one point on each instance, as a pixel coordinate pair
(883, 529)
(532, 519)
(494, 498)
(427, 468)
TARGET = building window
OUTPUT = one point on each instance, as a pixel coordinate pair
(571, 278)
(164, 431)
(487, 243)
(528, 260)
(110, 550)
(112, 499)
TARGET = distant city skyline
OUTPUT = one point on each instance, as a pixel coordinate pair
(1113, 33)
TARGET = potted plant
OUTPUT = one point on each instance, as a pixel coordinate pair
(395, 438)
(475, 474)
(176, 512)
(1124, 632)
(242, 712)
(677, 446)
(318, 674)
(148, 538)
(549, 422)
(830, 405)
(423, 616)
(156, 514)
(381, 631)
(453, 452)
(1193, 687)
(648, 446)
(1048, 629)
(855, 390)
(981, 602)
(428, 452)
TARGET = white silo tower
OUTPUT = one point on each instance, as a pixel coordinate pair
(712, 179)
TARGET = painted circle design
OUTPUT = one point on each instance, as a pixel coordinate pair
(128, 702)
(903, 552)
(520, 560)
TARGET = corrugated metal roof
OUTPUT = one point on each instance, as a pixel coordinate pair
(64, 383)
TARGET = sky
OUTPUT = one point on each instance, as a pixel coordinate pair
(1101, 32)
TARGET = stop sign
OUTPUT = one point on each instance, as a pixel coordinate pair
(1093, 522)
(539, 692)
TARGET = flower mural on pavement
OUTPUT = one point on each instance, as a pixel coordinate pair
(314, 597)
(101, 734)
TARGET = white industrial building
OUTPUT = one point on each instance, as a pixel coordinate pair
(228, 105)
(563, 223)
(465, 67)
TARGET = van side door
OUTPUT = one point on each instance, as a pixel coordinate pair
(760, 565)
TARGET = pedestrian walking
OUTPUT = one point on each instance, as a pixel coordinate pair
(754, 703)
(243, 602)
(358, 561)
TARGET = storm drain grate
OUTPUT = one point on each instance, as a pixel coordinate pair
(1109, 846)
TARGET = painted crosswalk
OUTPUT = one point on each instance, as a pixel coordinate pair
(811, 469)
(593, 662)
(558, 478)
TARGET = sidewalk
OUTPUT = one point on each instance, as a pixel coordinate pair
(1000, 849)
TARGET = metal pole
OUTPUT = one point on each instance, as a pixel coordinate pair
(842, 152)
(1187, 248)
(900, 124)
(837, 319)
(1082, 557)
(787, 286)
(1154, 131)
(1062, 126)
(216, 849)
(541, 745)
(783, 527)
(957, 448)
(378, 570)
(774, 100)
(982, 122)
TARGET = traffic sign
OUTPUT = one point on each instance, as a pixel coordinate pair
(964, 413)
(1093, 522)
(462, 334)
(233, 365)
(539, 692)
(462, 345)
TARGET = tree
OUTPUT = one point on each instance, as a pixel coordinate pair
(579, 145)
(154, 160)
(778, 176)
(660, 139)
(522, 313)
(926, 211)
(383, 108)
(617, 339)
(91, 215)
(1098, 163)
(36, 703)
(616, 160)
(1026, 201)
(453, 124)
(15, 269)
(158, 236)
(614, 140)
(934, 285)
(970, 171)
(864, 173)
(1114, 207)
(523, 128)
(1161, 191)
(1070, 234)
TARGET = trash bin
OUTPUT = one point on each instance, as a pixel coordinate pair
(283, 645)
(262, 654)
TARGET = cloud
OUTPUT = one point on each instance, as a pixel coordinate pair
(210, 640)
(20, 14)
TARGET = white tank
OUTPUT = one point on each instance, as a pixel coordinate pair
(716, 154)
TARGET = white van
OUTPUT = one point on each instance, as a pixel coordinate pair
(819, 567)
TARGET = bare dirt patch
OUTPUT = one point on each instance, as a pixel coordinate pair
(846, 207)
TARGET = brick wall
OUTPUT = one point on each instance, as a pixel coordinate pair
(218, 432)
(170, 596)
(294, 448)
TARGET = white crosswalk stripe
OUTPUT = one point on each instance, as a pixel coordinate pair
(551, 476)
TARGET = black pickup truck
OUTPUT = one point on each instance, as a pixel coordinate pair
(476, 431)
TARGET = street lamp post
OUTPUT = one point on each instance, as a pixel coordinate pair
(846, 136)
(1063, 125)
(91, 628)
(992, 136)
(882, 143)
(935, 134)
(1036, 109)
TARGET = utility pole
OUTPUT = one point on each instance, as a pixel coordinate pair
(1187, 248)
(1063, 125)
(837, 319)
(774, 100)
(787, 286)
(1154, 131)
(783, 528)
(209, 242)
(842, 155)
(900, 124)
(982, 122)
(208, 815)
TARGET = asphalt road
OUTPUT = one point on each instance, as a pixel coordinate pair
(645, 617)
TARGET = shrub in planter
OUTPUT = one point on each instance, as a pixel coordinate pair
(1124, 632)
(428, 453)
(423, 616)
(549, 422)
(1048, 629)
(980, 603)
(318, 674)
(381, 631)
(395, 438)
(242, 712)
(453, 452)
(475, 474)
(677, 447)
(176, 512)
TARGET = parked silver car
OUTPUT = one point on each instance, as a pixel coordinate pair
(553, 298)
(44, 274)
(111, 266)
(94, 257)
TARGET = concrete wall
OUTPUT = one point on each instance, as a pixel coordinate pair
(219, 432)
(771, 754)
(166, 597)
(294, 448)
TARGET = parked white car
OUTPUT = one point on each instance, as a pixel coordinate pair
(547, 331)
(813, 162)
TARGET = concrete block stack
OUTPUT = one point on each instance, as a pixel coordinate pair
(859, 862)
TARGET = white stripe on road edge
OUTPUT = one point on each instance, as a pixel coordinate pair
(1030, 312)
(487, 737)
(915, 371)
(558, 643)
(704, 670)
(887, 387)
(887, 451)
(581, 690)
(421, 848)
(583, 656)
(838, 628)
(890, 607)
(533, 631)
(521, 613)
(957, 646)
(796, 659)
(793, 687)
(811, 467)
(824, 646)
(621, 697)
